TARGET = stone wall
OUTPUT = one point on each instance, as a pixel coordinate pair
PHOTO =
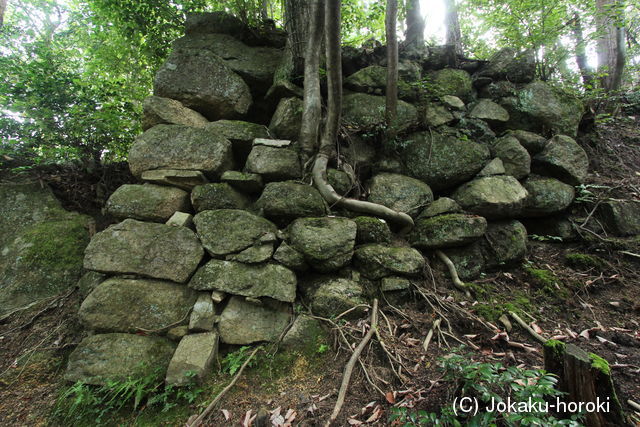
(225, 233)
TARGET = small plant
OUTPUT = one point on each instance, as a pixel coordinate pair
(488, 384)
(585, 195)
(233, 361)
(322, 348)
(539, 238)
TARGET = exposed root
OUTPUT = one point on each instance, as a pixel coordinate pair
(528, 328)
(454, 273)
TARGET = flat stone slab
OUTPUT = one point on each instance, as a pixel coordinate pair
(272, 142)
(243, 181)
(193, 358)
(243, 322)
(148, 249)
(262, 280)
(184, 179)
(147, 202)
(376, 261)
(104, 357)
(493, 197)
(445, 231)
(158, 304)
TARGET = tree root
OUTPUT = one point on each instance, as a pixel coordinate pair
(348, 369)
(198, 420)
(333, 198)
(528, 328)
(454, 273)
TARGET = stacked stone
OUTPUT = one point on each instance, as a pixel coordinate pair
(222, 238)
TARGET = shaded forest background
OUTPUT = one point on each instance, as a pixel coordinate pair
(73, 73)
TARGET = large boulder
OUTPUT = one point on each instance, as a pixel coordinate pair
(274, 163)
(202, 81)
(256, 65)
(241, 230)
(158, 304)
(436, 115)
(148, 249)
(372, 79)
(492, 196)
(505, 242)
(218, 195)
(447, 231)
(217, 22)
(326, 243)
(511, 65)
(547, 196)
(621, 217)
(333, 296)
(450, 81)
(286, 200)
(241, 134)
(515, 158)
(286, 120)
(376, 261)
(41, 245)
(400, 193)
(164, 111)
(564, 159)
(538, 107)
(365, 111)
(147, 202)
(441, 206)
(236, 278)
(243, 322)
(443, 161)
(182, 148)
(99, 359)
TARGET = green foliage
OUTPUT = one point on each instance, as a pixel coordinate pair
(234, 360)
(585, 195)
(546, 238)
(82, 404)
(584, 261)
(489, 382)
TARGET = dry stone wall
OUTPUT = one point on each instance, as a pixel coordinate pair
(224, 234)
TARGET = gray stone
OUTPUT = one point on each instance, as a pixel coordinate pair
(184, 179)
(158, 304)
(468, 260)
(100, 358)
(376, 261)
(443, 205)
(202, 81)
(340, 181)
(181, 219)
(153, 250)
(368, 80)
(532, 142)
(192, 359)
(445, 231)
(394, 284)
(285, 201)
(277, 143)
(290, 258)
(89, 281)
(547, 196)
(505, 243)
(263, 280)
(555, 226)
(240, 229)
(453, 102)
(492, 196)
(177, 332)
(367, 112)
(443, 161)
(217, 196)
(489, 111)
(147, 202)
(326, 243)
(564, 159)
(621, 217)
(436, 115)
(515, 158)
(158, 111)
(213, 23)
(334, 296)
(372, 230)
(274, 164)
(203, 316)
(286, 120)
(241, 134)
(400, 193)
(493, 168)
(453, 82)
(182, 148)
(244, 182)
(306, 333)
(243, 322)
(255, 254)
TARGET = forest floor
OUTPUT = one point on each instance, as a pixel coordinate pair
(592, 303)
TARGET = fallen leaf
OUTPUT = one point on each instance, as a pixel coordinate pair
(390, 397)
(227, 414)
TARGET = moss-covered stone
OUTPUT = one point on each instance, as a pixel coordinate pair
(244, 182)
(158, 110)
(546, 196)
(376, 261)
(241, 134)
(290, 258)
(147, 202)
(621, 217)
(454, 82)
(340, 181)
(217, 196)
(243, 322)
(505, 243)
(585, 262)
(286, 120)
(436, 115)
(532, 142)
(400, 193)
(469, 260)
(334, 296)
(372, 230)
(447, 231)
(284, 201)
(366, 112)
(441, 206)
(515, 158)
(489, 111)
(564, 159)
(273, 163)
(493, 197)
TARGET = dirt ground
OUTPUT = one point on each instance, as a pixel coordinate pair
(595, 306)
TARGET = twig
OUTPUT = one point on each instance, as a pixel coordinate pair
(199, 418)
(348, 369)
(47, 308)
(634, 405)
(529, 329)
(454, 273)
(436, 325)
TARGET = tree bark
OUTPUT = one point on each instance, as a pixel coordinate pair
(312, 104)
(581, 55)
(391, 106)
(454, 35)
(611, 43)
(3, 9)
(415, 24)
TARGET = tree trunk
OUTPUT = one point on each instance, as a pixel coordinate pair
(297, 16)
(3, 8)
(581, 55)
(415, 24)
(312, 104)
(611, 47)
(454, 35)
(391, 107)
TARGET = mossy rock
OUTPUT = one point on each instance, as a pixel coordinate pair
(453, 82)
(286, 120)
(564, 159)
(376, 261)
(493, 197)
(274, 163)
(147, 202)
(469, 260)
(546, 196)
(620, 217)
(372, 230)
(217, 196)
(532, 142)
(340, 181)
(505, 243)
(366, 112)
(515, 158)
(585, 262)
(400, 193)
(158, 110)
(284, 201)
(447, 231)
(243, 322)
(241, 134)
(441, 206)
(334, 296)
